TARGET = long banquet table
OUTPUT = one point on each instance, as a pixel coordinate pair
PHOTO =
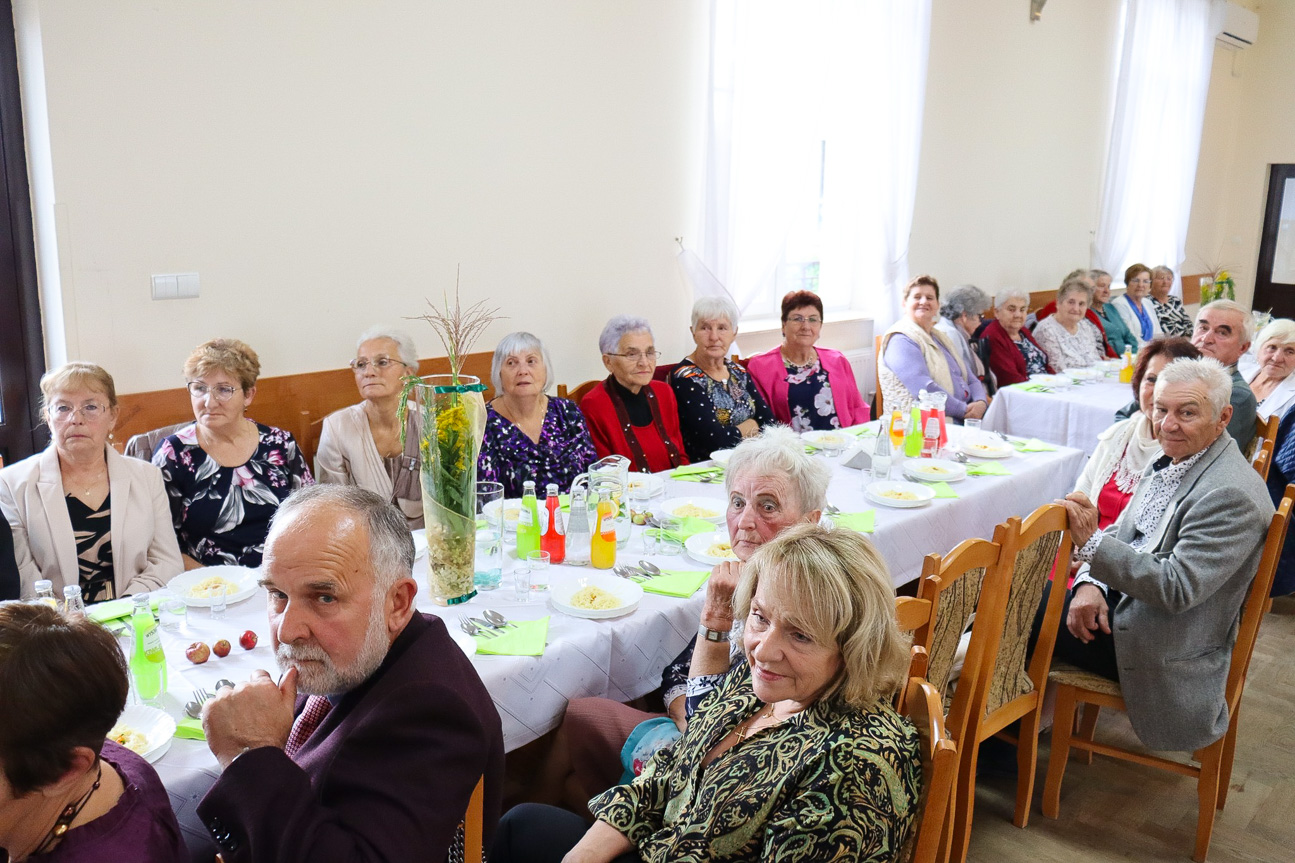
(1072, 417)
(621, 658)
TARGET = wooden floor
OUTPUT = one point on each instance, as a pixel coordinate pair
(1113, 811)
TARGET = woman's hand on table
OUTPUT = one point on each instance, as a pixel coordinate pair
(251, 715)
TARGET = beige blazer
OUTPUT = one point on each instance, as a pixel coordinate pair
(145, 554)
(347, 455)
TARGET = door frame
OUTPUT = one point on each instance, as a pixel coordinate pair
(1270, 294)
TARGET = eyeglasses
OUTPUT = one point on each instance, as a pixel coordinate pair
(637, 356)
(801, 319)
(382, 364)
(223, 393)
(90, 412)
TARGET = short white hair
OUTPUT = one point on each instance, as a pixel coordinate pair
(712, 309)
(1247, 319)
(1010, 294)
(617, 328)
(1202, 370)
(404, 343)
(779, 451)
(1280, 330)
(510, 346)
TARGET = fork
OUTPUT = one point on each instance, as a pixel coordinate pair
(472, 629)
(201, 696)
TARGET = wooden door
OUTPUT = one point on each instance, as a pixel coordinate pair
(1275, 276)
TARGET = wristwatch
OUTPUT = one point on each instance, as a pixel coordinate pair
(711, 634)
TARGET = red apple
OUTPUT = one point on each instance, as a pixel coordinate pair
(198, 653)
(247, 640)
(220, 648)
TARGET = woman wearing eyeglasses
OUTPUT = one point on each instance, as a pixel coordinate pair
(629, 413)
(719, 404)
(226, 474)
(360, 445)
(807, 387)
(80, 512)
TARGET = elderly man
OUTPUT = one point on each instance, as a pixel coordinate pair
(1224, 330)
(382, 757)
(1157, 606)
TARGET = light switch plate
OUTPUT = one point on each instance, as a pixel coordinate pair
(188, 286)
(165, 287)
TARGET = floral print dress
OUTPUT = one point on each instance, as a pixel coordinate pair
(222, 514)
(563, 451)
(809, 395)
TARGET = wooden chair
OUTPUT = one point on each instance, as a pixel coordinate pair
(939, 769)
(1265, 431)
(470, 838)
(1263, 461)
(1215, 761)
(913, 615)
(579, 392)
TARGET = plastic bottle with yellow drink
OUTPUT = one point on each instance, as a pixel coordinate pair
(602, 544)
(1126, 371)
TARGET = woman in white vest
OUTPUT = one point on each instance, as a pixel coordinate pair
(916, 356)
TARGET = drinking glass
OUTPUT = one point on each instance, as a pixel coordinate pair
(489, 568)
(219, 604)
(539, 566)
(522, 581)
(172, 613)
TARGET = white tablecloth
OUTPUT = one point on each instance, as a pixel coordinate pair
(1072, 417)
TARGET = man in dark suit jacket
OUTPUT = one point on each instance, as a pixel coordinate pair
(407, 727)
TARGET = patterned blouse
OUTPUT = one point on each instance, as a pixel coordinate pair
(809, 395)
(1036, 361)
(1066, 350)
(222, 514)
(1174, 319)
(92, 531)
(710, 411)
(510, 457)
(831, 783)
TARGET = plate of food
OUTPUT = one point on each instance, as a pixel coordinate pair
(983, 446)
(595, 595)
(710, 548)
(512, 511)
(934, 470)
(1050, 380)
(709, 509)
(721, 456)
(200, 587)
(653, 485)
(1094, 374)
(828, 439)
(896, 493)
(144, 730)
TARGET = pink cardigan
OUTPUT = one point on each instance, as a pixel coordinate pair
(770, 375)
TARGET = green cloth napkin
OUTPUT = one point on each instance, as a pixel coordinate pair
(189, 729)
(689, 528)
(525, 639)
(943, 489)
(114, 609)
(987, 468)
(861, 431)
(700, 477)
(1033, 445)
(689, 470)
(676, 582)
(863, 522)
(1034, 388)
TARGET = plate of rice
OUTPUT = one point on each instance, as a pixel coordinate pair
(200, 587)
(709, 509)
(144, 730)
(710, 548)
(903, 495)
(594, 595)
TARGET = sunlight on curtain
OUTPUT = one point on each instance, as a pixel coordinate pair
(812, 150)
(1164, 77)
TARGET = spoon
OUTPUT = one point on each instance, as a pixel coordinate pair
(193, 710)
(960, 458)
(496, 618)
(649, 568)
(486, 623)
(626, 572)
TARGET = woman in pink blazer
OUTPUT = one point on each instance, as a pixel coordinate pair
(807, 387)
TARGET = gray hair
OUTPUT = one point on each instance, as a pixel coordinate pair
(1010, 294)
(619, 327)
(712, 309)
(1097, 274)
(1075, 284)
(1247, 319)
(964, 300)
(1079, 273)
(1279, 330)
(779, 451)
(404, 344)
(1161, 269)
(1202, 370)
(391, 548)
(510, 346)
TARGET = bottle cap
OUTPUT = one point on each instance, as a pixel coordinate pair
(70, 590)
(44, 584)
(140, 599)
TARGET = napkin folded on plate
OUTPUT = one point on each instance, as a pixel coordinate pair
(676, 582)
(943, 490)
(863, 522)
(687, 472)
(1033, 445)
(113, 609)
(687, 529)
(987, 468)
(526, 638)
(189, 729)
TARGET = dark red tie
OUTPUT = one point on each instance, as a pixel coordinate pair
(317, 707)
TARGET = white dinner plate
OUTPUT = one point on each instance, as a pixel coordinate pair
(828, 438)
(243, 579)
(934, 470)
(512, 511)
(713, 505)
(655, 485)
(986, 448)
(1051, 380)
(698, 547)
(721, 456)
(565, 586)
(880, 492)
(1085, 374)
(155, 725)
(466, 643)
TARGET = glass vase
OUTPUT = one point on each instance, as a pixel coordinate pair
(454, 416)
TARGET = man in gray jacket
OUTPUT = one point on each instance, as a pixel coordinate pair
(1158, 604)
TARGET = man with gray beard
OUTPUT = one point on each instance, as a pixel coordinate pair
(370, 744)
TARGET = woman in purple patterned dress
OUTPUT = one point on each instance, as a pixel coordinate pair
(530, 435)
(226, 474)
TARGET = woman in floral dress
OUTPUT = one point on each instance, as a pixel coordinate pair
(226, 474)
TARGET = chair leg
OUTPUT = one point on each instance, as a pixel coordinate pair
(964, 803)
(1027, 762)
(1207, 793)
(1087, 728)
(1229, 750)
(1063, 723)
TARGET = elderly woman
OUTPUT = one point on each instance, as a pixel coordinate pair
(1271, 381)
(80, 513)
(916, 356)
(719, 404)
(631, 414)
(807, 386)
(1125, 449)
(66, 793)
(1173, 318)
(1135, 306)
(360, 445)
(797, 754)
(961, 314)
(226, 474)
(1069, 339)
(530, 435)
(1117, 332)
(1014, 355)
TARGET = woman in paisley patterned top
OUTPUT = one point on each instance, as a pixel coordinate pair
(798, 755)
(719, 405)
(1174, 319)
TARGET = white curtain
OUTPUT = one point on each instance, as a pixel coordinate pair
(1167, 49)
(815, 121)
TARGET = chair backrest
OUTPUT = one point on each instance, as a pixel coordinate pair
(474, 825)
(939, 770)
(581, 391)
(142, 446)
(913, 615)
(1263, 460)
(662, 372)
(1265, 430)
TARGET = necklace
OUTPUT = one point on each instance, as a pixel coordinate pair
(89, 486)
(68, 815)
(745, 731)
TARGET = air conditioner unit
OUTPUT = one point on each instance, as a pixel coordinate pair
(1240, 26)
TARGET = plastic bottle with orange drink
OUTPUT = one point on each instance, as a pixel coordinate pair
(602, 544)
